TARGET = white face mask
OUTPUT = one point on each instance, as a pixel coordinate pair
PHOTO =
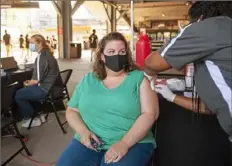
(32, 47)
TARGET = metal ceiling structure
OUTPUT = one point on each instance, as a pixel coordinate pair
(131, 11)
(18, 4)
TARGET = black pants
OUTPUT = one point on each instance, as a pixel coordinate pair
(230, 155)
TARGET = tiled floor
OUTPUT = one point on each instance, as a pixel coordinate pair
(47, 142)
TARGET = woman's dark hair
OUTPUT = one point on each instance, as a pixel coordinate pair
(207, 9)
(99, 67)
(40, 39)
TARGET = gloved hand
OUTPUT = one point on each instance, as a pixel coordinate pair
(152, 80)
(165, 92)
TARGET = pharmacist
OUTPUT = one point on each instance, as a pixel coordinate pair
(207, 43)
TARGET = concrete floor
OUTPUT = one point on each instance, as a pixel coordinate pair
(47, 141)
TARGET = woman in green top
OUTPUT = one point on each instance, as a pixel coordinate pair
(112, 111)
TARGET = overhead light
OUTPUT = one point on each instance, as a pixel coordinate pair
(25, 5)
(119, 7)
(5, 6)
(163, 15)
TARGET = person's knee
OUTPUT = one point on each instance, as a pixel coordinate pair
(78, 153)
(18, 95)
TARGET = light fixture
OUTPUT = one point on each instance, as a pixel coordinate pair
(163, 15)
(5, 6)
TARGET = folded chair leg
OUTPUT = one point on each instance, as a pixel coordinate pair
(58, 119)
(29, 126)
(21, 140)
(46, 116)
(66, 89)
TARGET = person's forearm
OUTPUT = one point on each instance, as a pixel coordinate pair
(75, 121)
(183, 102)
(154, 64)
(140, 129)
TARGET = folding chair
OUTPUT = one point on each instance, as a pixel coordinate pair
(10, 122)
(65, 75)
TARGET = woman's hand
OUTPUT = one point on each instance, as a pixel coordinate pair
(86, 137)
(30, 82)
(116, 152)
(34, 82)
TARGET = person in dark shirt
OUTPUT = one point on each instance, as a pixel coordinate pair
(21, 42)
(48, 41)
(54, 42)
(27, 41)
(93, 39)
(6, 39)
(207, 43)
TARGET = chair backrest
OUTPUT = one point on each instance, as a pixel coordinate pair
(7, 95)
(65, 75)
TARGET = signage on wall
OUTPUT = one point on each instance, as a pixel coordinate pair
(60, 31)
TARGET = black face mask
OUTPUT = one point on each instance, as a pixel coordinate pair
(116, 62)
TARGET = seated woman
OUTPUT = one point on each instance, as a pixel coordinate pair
(46, 71)
(112, 111)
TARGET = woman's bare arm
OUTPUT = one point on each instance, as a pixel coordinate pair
(149, 113)
(75, 121)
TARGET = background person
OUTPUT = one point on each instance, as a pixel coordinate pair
(7, 42)
(21, 43)
(93, 40)
(46, 71)
(115, 105)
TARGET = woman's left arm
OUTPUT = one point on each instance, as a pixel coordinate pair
(149, 113)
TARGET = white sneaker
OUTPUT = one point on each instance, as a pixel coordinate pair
(36, 122)
(42, 117)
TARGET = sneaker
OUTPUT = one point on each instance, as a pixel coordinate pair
(42, 117)
(36, 122)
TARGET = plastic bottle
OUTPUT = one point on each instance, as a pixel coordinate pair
(143, 49)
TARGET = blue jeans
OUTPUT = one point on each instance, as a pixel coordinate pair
(25, 99)
(77, 154)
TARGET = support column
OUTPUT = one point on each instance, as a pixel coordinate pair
(67, 28)
(64, 22)
(113, 19)
(60, 31)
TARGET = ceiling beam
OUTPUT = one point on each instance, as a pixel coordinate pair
(106, 11)
(154, 4)
(124, 16)
(58, 10)
(121, 15)
(76, 6)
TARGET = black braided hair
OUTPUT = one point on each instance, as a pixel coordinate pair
(207, 9)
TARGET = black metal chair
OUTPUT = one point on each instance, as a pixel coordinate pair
(52, 100)
(9, 122)
(65, 76)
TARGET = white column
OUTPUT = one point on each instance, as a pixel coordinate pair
(132, 27)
